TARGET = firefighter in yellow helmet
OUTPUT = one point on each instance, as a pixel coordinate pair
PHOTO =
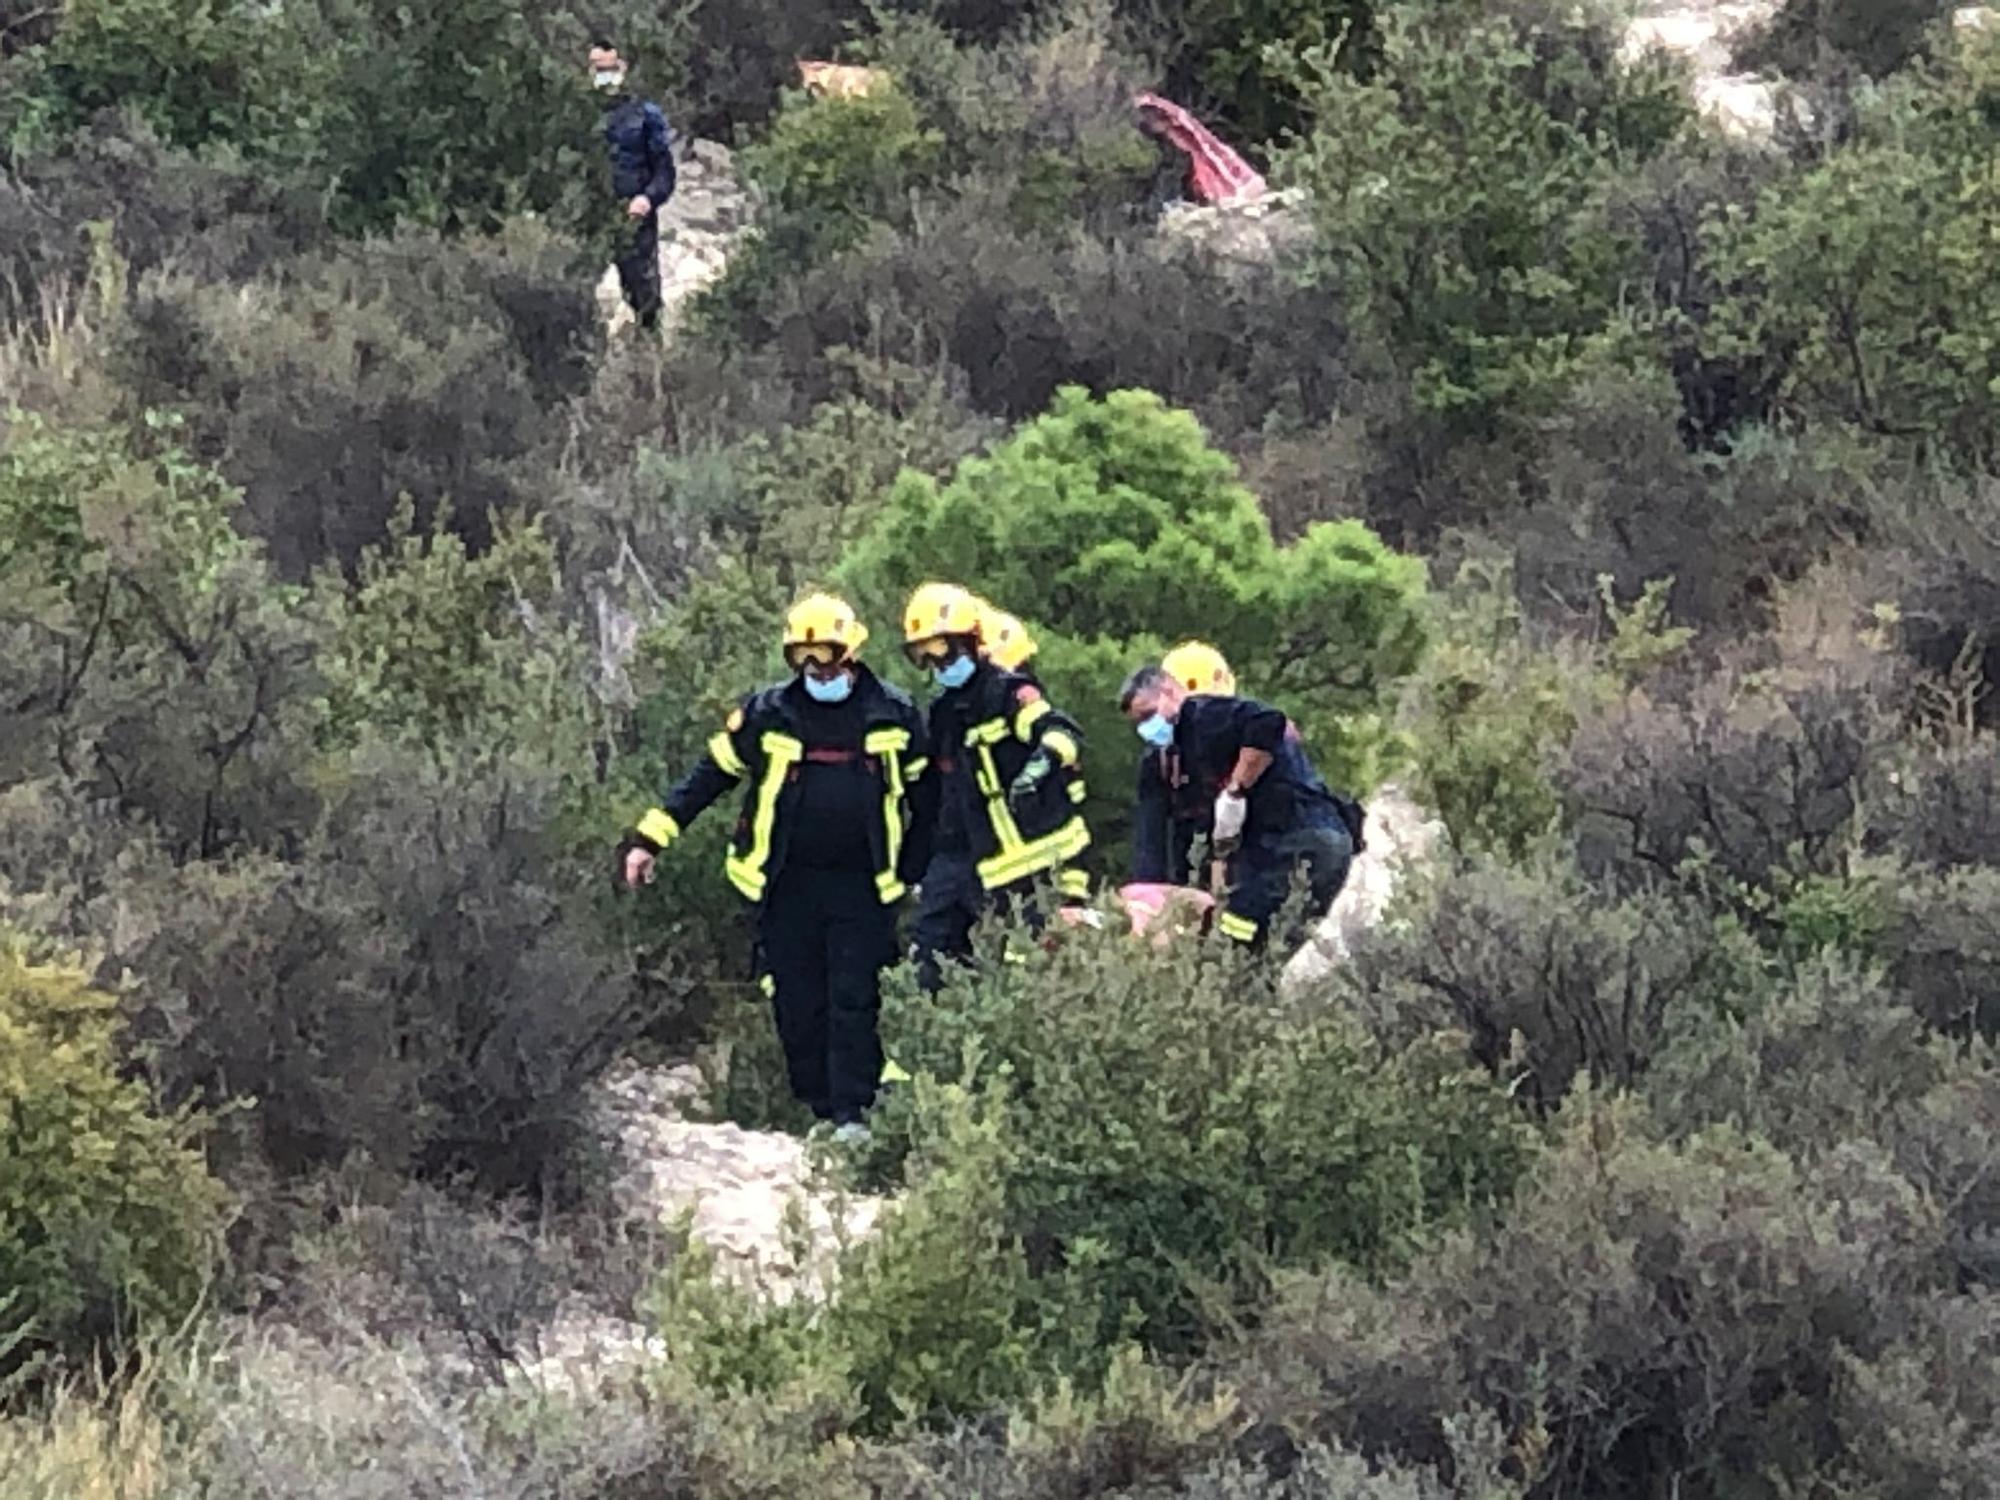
(1004, 640)
(1000, 812)
(826, 759)
(1171, 811)
(1200, 668)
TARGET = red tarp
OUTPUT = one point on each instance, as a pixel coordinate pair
(1219, 174)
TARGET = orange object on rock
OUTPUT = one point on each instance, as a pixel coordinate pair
(828, 80)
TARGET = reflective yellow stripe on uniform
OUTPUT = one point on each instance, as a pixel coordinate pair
(722, 750)
(660, 827)
(889, 745)
(746, 871)
(1030, 715)
(1031, 857)
(1063, 744)
(1242, 929)
(1073, 883)
(914, 771)
(1017, 857)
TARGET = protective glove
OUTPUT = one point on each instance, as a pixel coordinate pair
(1230, 809)
(1041, 765)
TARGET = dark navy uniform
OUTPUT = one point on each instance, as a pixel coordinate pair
(980, 850)
(820, 849)
(1292, 819)
(640, 145)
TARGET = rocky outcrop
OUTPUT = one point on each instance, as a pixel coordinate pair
(1256, 232)
(1402, 838)
(745, 1192)
(1706, 34)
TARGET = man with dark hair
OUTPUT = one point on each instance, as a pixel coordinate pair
(1268, 811)
(642, 173)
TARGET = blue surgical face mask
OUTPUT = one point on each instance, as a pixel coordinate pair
(828, 689)
(1157, 731)
(956, 673)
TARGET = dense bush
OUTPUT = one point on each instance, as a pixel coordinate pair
(378, 372)
(454, 120)
(1649, 1313)
(1452, 192)
(1545, 978)
(1736, 778)
(1861, 272)
(1111, 526)
(1875, 37)
(107, 1212)
(1271, 1138)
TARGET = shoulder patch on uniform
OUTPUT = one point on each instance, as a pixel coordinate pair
(1027, 692)
(734, 722)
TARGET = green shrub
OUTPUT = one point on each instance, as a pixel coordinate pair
(829, 168)
(434, 645)
(1646, 1311)
(1810, 1060)
(406, 367)
(1544, 977)
(107, 1212)
(183, 64)
(1488, 707)
(1173, 1133)
(1865, 270)
(1876, 37)
(1042, 118)
(1111, 526)
(1220, 54)
(1734, 777)
(1454, 195)
(148, 657)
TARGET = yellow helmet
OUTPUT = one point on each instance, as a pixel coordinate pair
(821, 627)
(936, 610)
(1200, 668)
(1007, 642)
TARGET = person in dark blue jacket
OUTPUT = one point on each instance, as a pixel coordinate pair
(1237, 767)
(642, 173)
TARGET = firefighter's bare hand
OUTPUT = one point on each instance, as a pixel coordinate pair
(639, 207)
(640, 866)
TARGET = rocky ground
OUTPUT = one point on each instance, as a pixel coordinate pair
(1706, 33)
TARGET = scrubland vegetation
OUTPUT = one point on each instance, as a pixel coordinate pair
(1625, 490)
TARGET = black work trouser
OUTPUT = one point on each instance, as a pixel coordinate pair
(1261, 879)
(639, 271)
(952, 900)
(826, 937)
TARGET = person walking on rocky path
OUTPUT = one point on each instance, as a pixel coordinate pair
(827, 759)
(640, 144)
